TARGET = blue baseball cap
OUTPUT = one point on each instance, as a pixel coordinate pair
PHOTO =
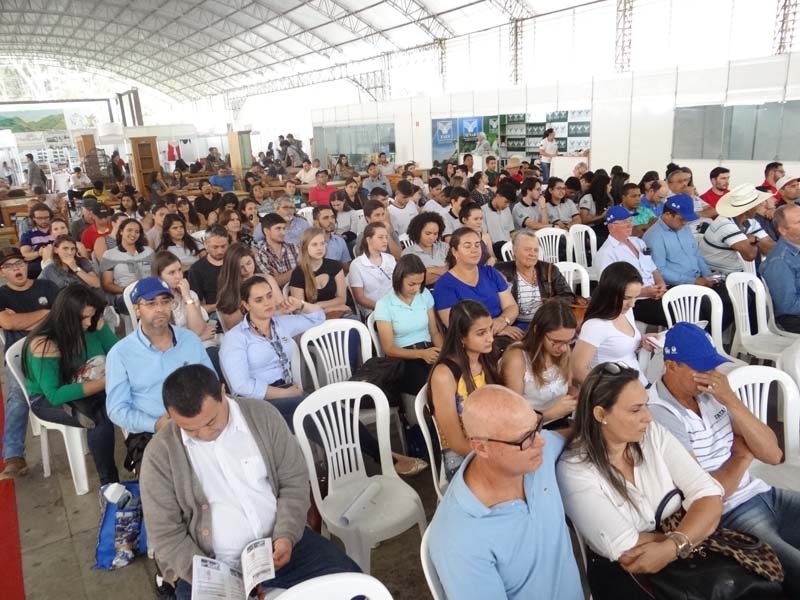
(148, 288)
(687, 343)
(618, 213)
(683, 204)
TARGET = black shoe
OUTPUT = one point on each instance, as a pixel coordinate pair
(164, 590)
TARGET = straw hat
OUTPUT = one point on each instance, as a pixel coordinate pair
(740, 199)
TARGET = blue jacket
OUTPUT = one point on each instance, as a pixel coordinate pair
(675, 253)
(781, 271)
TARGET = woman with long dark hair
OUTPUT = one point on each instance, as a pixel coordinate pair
(618, 179)
(425, 232)
(617, 467)
(193, 220)
(538, 367)
(609, 332)
(562, 211)
(355, 198)
(63, 360)
(595, 202)
(67, 267)
(346, 216)
(128, 262)
(232, 222)
(370, 275)
(466, 363)
(176, 239)
(479, 184)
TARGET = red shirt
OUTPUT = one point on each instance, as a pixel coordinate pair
(711, 197)
(320, 196)
(518, 177)
(90, 236)
(771, 187)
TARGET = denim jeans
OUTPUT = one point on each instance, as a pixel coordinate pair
(545, 168)
(312, 556)
(774, 517)
(16, 419)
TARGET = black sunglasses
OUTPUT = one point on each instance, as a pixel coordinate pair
(525, 442)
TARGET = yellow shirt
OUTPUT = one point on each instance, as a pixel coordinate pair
(462, 395)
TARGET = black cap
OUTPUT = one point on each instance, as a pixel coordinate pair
(101, 211)
(9, 253)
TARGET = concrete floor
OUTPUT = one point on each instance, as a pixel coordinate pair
(58, 533)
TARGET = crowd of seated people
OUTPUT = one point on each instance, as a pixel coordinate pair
(534, 402)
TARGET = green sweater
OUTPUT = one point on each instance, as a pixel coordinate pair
(44, 374)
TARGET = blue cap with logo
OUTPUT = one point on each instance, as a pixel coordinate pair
(687, 343)
(148, 288)
(683, 204)
(618, 213)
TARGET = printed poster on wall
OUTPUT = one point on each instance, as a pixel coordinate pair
(445, 139)
(468, 128)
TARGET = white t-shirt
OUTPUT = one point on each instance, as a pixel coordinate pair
(612, 525)
(307, 177)
(549, 147)
(613, 345)
(720, 236)
(376, 280)
(613, 251)
(401, 217)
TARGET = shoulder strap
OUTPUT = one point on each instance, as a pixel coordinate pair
(663, 505)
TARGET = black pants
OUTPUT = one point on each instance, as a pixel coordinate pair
(609, 581)
(100, 438)
(650, 311)
(416, 371)
(789, 323)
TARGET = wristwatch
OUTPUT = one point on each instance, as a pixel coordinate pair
(683, 543)
(190, 301)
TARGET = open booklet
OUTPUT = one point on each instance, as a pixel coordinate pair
(214, 580)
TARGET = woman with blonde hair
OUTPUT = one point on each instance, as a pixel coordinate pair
(317, 279)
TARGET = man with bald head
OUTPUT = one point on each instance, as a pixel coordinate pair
(500, 530)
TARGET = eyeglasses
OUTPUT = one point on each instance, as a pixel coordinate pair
(525, 442)
(561, 343)
(13, 265)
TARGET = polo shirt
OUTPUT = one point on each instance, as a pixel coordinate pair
(433, 206)
(449, 290)
(781, 273)
(711, 197)
(563, 213)
(401, 217)
(307, 177)
(318, 196)
(497, 223)
(409, 321)
(614, 251)
(522, 213)
(370, 184)
(437, 257)
(376, 280)
(336, 249)
(708, 436)
(675, 253)
(518, 549)
(135, 374)
(656, 209)
(225, 182)
(720, 236)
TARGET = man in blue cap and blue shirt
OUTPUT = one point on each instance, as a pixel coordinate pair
(695, 402)
(623, 246)
(675, 252)
(137, 366)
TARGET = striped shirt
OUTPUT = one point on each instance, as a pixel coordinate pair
(720, 236)
(708, 436)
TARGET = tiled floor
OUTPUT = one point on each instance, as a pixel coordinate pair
(58, 532)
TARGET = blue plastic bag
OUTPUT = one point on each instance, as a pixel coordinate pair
(121, 535)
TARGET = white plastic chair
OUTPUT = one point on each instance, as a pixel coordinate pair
(307, 213)
(199, 236)
(578, 235)
(429, 569)
(339, 586)
(748, 266)
(377, 512)
(549, 242)
(35, 428)
(507, 251)
(405, 241)
(763, 345)
(575, 274)
(126, 296)
(771, 323)
(330, 343)
(682, 303)
(437, 469)
(74, 437)
(752, 385)
(372, 327)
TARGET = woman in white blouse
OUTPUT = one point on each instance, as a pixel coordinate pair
(370, 275)
(538, 367)
(609, 332)
(617, 467)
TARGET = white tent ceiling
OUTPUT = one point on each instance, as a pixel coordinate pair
(197, 48)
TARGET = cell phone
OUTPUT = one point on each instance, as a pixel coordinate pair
(281, 384)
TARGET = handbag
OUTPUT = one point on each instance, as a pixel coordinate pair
(710, 573)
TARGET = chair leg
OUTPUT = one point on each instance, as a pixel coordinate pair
(84, 442)
(73, 440)
(36, 428)
(358, 548)
(45, 451)
(401, 432)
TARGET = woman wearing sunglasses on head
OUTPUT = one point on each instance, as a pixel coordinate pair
(616, 468)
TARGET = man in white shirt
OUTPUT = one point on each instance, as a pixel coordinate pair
(548, 148)
(222, 473)
(735, 236)
(622, 246)
(402, 208)
(696, 404)
(307, 174)
(384, 166)
(497, 218)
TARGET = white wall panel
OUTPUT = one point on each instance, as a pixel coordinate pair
(701, 86)
(421, 131)
(462, 104)
(652, 114)
(611, 119)
(757, 81)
